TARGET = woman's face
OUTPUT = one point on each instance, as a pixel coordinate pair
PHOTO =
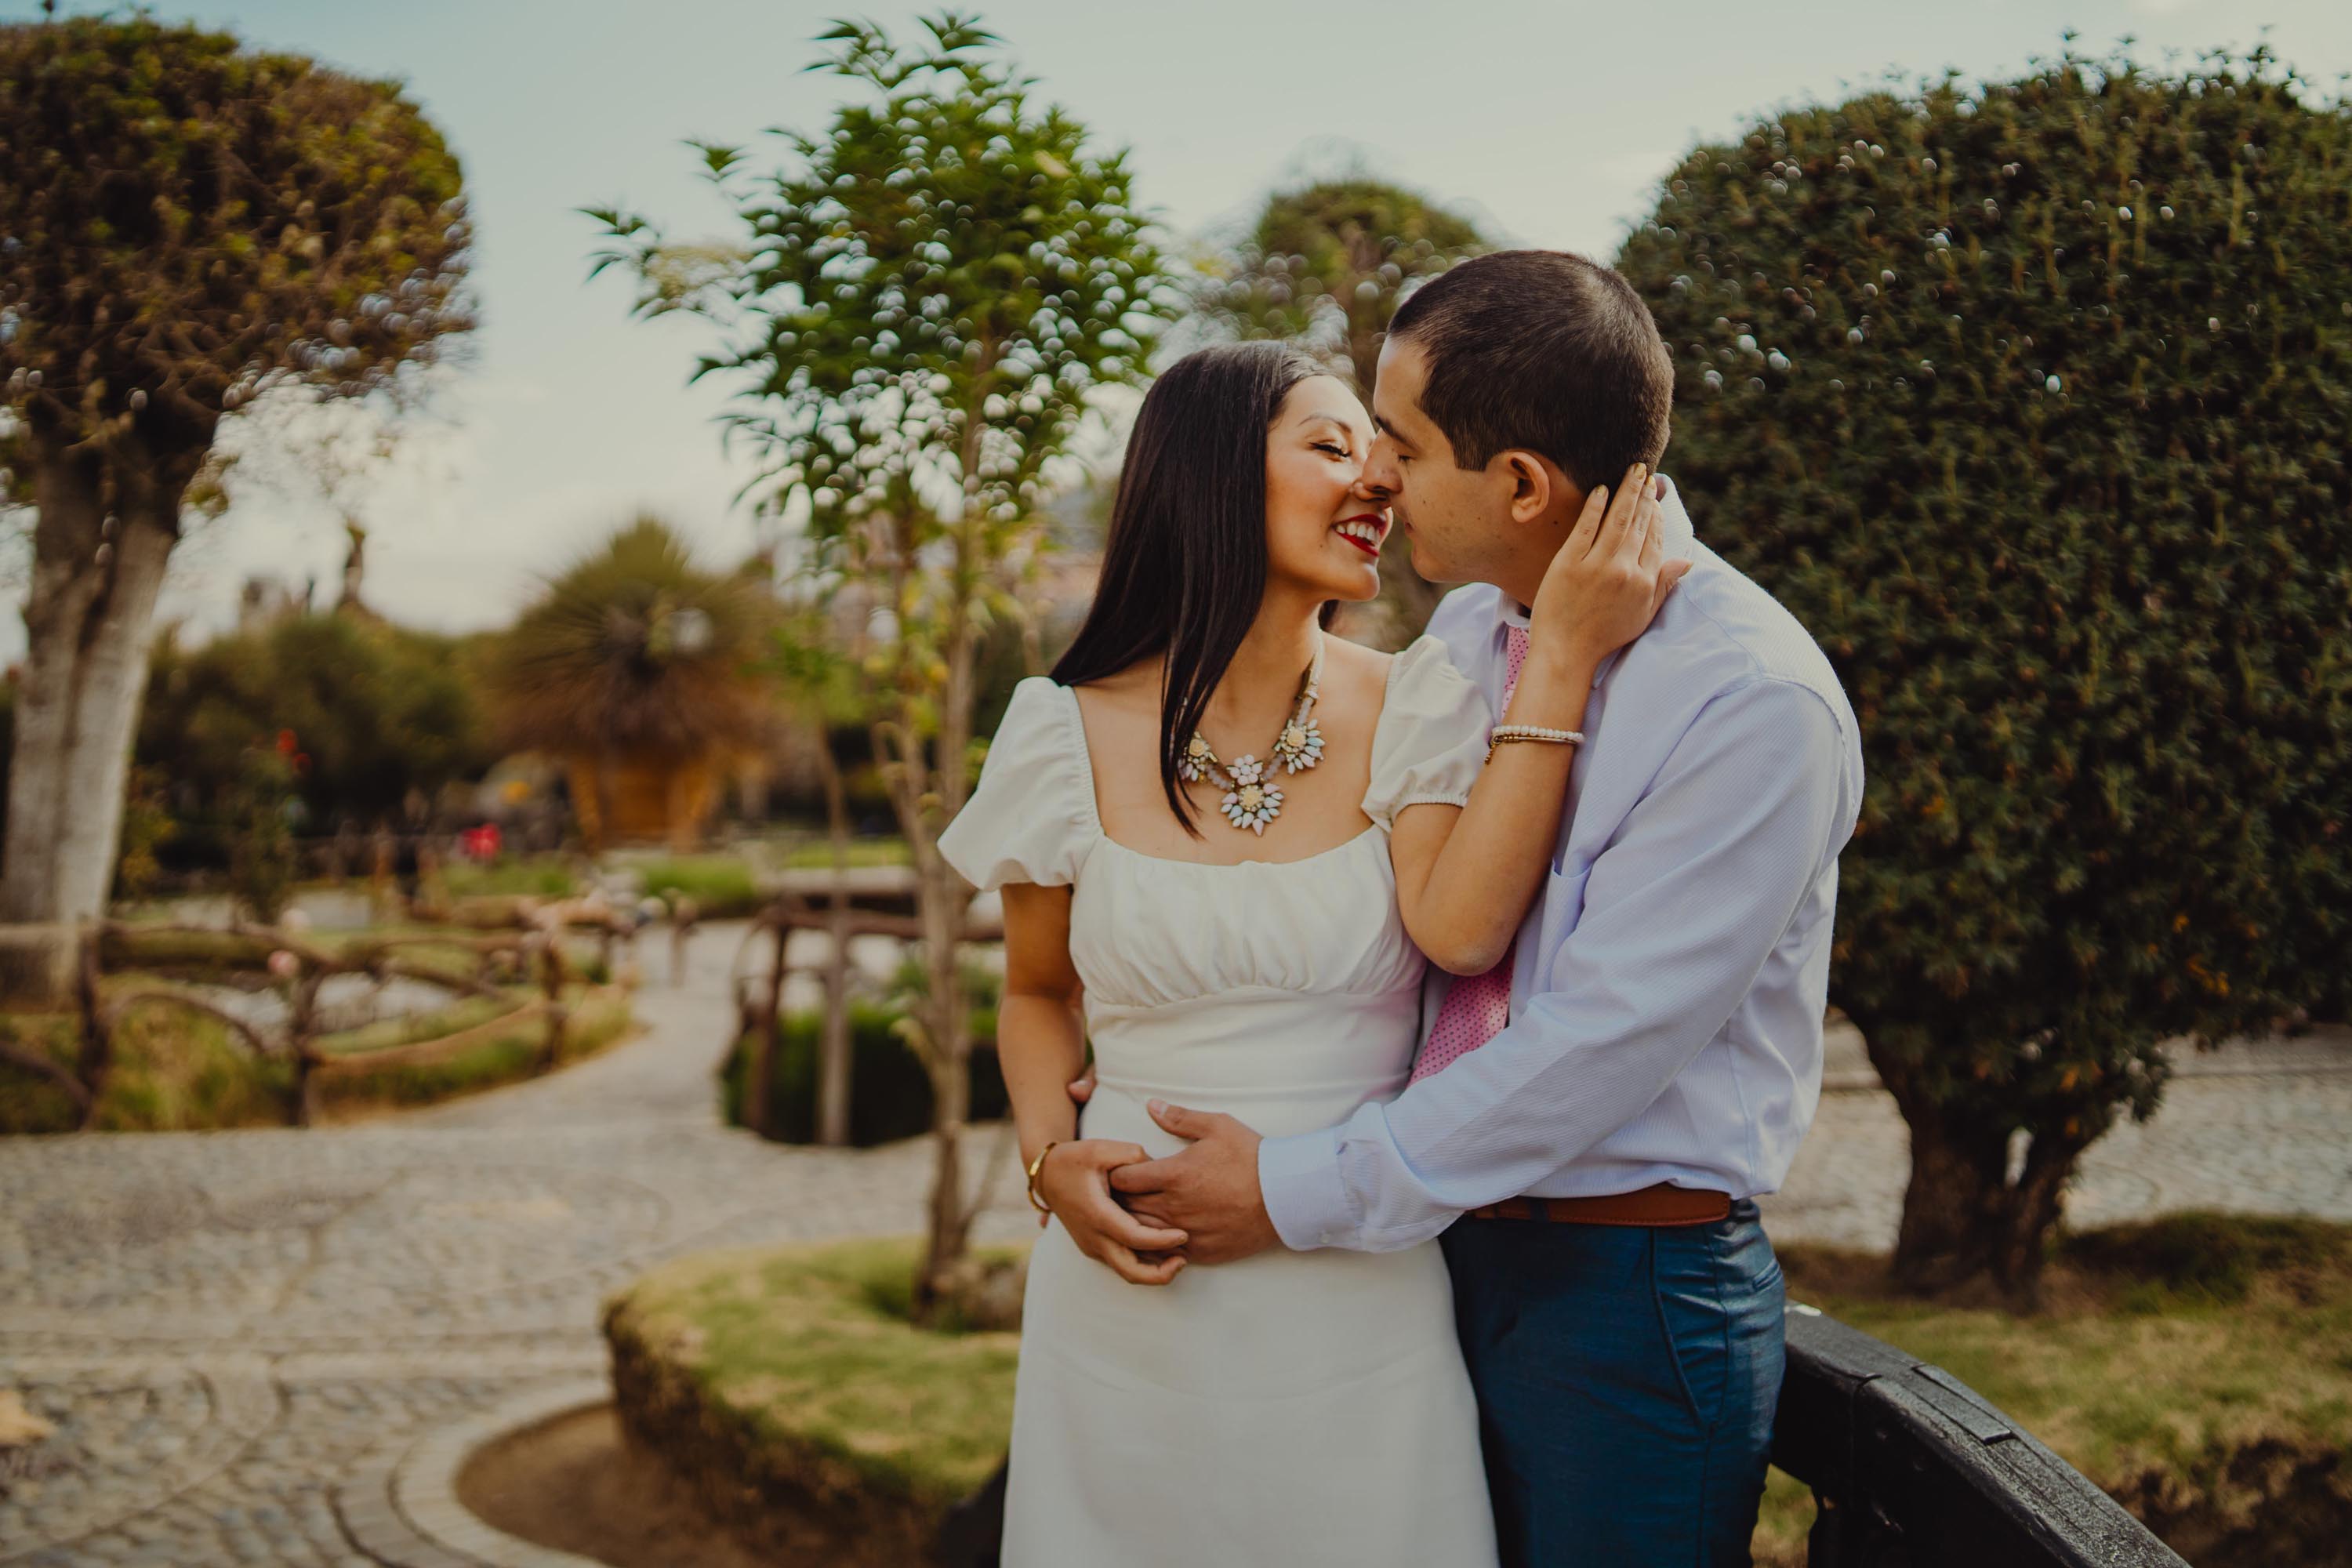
(1323, 526)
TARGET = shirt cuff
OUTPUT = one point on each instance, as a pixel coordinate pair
(1299, 1179)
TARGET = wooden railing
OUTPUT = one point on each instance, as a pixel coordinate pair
(519, 944)
(1912, 1468)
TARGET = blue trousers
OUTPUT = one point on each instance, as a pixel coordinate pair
(1626, 1379)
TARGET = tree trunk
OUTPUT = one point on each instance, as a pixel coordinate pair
(87, 624)
(834, 1051)
(943, 896)
(759, 1070)
(1966, 1216)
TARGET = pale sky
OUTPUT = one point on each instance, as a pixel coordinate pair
(1549, 121)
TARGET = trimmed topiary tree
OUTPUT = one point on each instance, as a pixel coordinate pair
(185, 225)
(2033, 402)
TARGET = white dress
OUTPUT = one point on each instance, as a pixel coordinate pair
(1295, 1408)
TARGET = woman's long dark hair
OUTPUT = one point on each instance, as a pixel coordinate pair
(1184, 567)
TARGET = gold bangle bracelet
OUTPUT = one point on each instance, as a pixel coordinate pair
(1036, 1165)
(1503, 733)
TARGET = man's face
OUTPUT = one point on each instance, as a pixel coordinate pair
(1457, 521)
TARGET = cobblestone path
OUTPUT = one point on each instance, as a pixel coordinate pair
(234, 1332)
(241, 1337)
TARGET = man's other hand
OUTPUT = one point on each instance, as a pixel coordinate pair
(1212, 1185)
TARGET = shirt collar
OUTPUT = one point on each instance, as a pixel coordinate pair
(1679, 538)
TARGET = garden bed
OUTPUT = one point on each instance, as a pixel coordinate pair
(2199, 1368)
(176, 1070)
(787, 1388)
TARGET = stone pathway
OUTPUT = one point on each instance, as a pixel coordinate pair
(264, 1347)
(238, 1334)
(2257, 1126)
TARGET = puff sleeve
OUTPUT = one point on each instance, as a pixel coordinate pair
(1432, 740)
(1031, 817)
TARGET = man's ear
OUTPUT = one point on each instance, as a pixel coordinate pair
(1531, 486)
(1541, 490)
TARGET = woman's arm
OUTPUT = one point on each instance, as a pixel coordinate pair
(1041, 1046)
(1466, 876)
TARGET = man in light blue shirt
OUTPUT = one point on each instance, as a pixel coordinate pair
(1620, 1306)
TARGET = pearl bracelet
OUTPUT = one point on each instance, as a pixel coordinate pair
(1503, 732)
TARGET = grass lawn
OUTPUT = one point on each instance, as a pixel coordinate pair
(599, 1018)
(2193, 1366)
(809, 1348)
(531, 876)
(2168, 1352)
(863, 852)
(722, 886)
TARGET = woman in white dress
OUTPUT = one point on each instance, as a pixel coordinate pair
(1228, 843)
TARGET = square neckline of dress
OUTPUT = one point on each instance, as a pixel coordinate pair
(1093, 799)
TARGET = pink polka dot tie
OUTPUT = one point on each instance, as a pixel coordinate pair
(1477, 1005)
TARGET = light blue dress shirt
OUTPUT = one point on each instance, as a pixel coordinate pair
(1668, 987)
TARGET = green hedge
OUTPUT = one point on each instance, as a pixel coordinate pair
(889, 1090)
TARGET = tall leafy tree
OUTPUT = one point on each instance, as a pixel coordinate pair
(1325, 267)
(913, 314)
(185, 224)
(2033, 402)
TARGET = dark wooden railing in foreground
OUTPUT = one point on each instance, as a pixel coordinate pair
(1910, 1465)
(1913, 1470)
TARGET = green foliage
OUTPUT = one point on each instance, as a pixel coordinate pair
(2033, 402)
(925, 294)
(260, 809)
(722, 886)
(891, 1089)
(2203, 1258)
(1327, 264)
(191, 222)
(539, 877)
(147, 826)
(818, 854)
(380, 714)
(800, 1346)
(174, 1071)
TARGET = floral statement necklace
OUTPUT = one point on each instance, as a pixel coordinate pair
(1251, 798)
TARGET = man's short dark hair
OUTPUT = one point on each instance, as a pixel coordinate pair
(1545, 350)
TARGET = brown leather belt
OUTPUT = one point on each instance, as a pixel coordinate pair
(1660, 1205)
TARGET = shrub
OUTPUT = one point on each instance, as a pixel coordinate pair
(2033, 402)
(720, 885)
(889, 1089)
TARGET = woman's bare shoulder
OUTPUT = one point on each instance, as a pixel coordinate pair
(1353, 668)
